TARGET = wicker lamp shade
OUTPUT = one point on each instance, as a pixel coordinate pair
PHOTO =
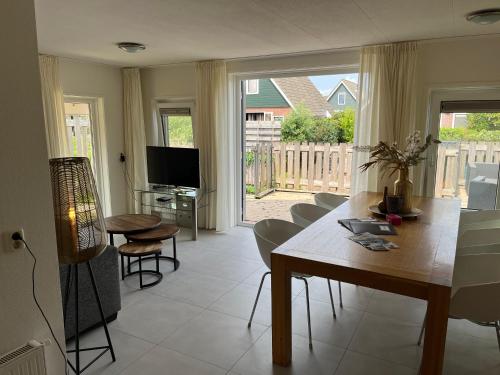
(80, 229)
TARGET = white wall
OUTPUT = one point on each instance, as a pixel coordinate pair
(98, 80)
(174, 82)
(25, 196)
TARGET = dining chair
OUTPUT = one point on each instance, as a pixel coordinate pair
(328, 200)
(304, 214)
(475, 291)
(269, 234)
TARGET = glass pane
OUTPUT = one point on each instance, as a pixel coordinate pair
(180, 131)
(79, 129)
(468, 158)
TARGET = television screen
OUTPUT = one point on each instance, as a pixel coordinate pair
(174, 166)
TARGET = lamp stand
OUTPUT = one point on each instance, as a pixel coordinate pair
(77, 368)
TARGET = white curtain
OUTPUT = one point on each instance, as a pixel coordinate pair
(53, 107)
(387, 102)
(135, 136)
(214, 137)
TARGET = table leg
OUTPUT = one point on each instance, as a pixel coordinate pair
(111, 239)
(281, 292)
(435, 330)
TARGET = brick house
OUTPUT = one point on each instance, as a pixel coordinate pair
(271, 99)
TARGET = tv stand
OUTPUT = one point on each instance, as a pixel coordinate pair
(172, 204)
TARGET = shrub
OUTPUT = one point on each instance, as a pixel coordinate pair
(467, 134)
(302, 126)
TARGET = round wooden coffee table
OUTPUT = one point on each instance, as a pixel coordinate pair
(130, 223)
(160, 233)
(141, 250)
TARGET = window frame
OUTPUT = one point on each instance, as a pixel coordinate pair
(248, 92)
(343, 95)
(162, 132)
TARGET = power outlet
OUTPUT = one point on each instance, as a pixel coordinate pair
(9, 243)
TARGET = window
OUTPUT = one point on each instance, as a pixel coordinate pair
(255, 116)
(177, 127)
(252, 86)
(341, 98)
(279, 118)
(268, 116)
(79, 130)
(459, 120)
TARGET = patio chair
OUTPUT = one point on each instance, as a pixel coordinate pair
(328, 200)
(304, 214)
(269, 234)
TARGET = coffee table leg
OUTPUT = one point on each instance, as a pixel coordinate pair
(281, 293)
(435, 330)
(175, 254)
(111, 239)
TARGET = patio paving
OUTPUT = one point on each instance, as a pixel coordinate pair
(275, 205)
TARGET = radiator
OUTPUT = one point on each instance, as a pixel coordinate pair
(26, 360)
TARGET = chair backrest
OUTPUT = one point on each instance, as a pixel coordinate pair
(271, 233)
(328, 200)
(476, 287)
(304, 214)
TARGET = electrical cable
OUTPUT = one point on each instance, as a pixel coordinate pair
(63, 353)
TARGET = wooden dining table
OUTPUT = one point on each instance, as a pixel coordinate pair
(422, 267)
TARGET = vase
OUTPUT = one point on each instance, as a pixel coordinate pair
(404, 188)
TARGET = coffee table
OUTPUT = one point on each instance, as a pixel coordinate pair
(130, 223)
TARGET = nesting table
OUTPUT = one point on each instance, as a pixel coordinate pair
(144, 234)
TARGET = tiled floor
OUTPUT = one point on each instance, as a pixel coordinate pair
(195, 322)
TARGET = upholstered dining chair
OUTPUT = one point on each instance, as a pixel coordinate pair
(304, 214)
(475, 290)
(269, 234)
(328, 200)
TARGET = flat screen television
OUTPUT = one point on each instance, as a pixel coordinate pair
(174, 166)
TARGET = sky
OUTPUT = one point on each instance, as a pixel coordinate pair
(326, 83)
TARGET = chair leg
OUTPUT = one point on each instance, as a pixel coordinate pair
(140, 272)
(340, 295)
(175, 253)
(257, 298)
(331, 298)
(497, 328)
(419, 342)
(308, 311)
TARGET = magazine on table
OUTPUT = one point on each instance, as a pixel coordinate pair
(372, 242)
(368, 225)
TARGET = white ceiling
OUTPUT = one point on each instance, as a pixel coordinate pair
(190, 30)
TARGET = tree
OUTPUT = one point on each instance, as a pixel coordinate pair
(483, 121)
(345, 121)
(297, 125)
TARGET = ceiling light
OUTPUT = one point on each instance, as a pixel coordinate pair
(131, 47)
(484, 17)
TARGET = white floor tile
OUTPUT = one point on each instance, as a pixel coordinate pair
(162, 361)
(127, 350)
(388, 339)
(256, 277)
(323, 359)
(353, 296)
(193, 288)
(239, 303)
(215, 338)
(359, 364)
(154, 318)
(398, 307)
(325, 328)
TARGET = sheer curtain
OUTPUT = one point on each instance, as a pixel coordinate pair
(214, 137)
(53, 107)
(387, 102)
(135, 135)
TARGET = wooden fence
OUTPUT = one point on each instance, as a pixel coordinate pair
(262, 131)
(452, 160)
(300, 166)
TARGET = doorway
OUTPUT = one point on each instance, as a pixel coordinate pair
(466, 165)
(297, 134)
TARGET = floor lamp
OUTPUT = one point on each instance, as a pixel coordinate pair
(81, 236)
